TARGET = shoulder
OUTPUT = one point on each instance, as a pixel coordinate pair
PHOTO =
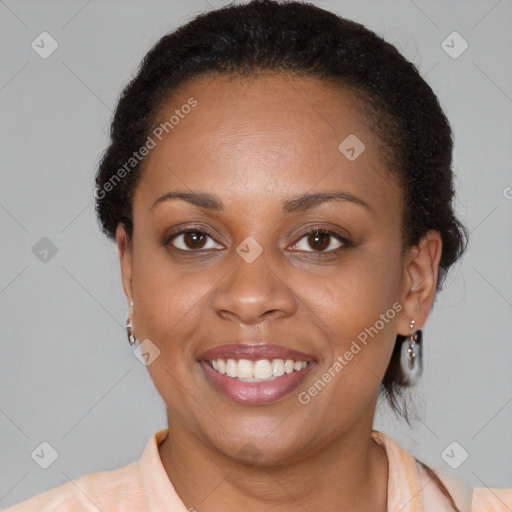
(414, 486)
(491, 499)
(132, 488)
(434, 499)
(476, 499)
(103, 491)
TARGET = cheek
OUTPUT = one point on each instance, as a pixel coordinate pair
(169, 297)
(362, 287)
(170, 304)
(358, 306)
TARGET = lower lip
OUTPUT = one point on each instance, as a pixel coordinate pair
(254, 393)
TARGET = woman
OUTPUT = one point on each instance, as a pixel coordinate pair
(279, 187)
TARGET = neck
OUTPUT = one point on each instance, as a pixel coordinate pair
(348, 473)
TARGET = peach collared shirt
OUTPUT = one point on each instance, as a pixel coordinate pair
(143, 486)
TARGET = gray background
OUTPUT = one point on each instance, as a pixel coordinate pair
(68, 375)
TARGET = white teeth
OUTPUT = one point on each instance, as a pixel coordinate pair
(245, 369)
(256, 371)
(277, 367)
(262, 369)
(231, 368)
(288, 366)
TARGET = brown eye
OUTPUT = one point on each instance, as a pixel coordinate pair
(320, 240)
(192, 240)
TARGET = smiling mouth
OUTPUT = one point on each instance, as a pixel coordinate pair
(261, 370)
(255, 373)
(253, 382)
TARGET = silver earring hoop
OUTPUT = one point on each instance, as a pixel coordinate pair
(129, 326)
(411, 356)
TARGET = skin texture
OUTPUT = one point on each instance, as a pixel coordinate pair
(255, 143)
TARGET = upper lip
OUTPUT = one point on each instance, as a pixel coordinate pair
(253, 352)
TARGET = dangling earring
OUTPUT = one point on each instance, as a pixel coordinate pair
(129, 326)
(410, 356)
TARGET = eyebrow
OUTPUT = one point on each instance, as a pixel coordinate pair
(297, 204)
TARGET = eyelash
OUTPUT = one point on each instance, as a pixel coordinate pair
(317, 230)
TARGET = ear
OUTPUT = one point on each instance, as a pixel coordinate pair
(125, 259)
(420, 281)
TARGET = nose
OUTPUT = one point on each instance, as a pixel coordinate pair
(254, 293)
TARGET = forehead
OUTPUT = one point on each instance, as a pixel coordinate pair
(266, 137)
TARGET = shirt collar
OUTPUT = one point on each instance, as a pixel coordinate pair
(159, 493)
(404, 485)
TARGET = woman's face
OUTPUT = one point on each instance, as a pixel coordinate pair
(250, 268)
